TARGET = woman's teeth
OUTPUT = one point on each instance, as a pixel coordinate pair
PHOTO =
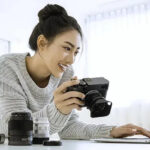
(63, 67)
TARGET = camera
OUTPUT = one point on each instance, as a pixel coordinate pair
(20, 129)
(95, 90)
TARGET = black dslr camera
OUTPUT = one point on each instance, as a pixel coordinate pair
(95, 90)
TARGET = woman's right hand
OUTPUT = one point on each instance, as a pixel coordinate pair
(67, 101)
(128, 130)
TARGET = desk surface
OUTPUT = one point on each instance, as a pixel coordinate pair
(79, 145)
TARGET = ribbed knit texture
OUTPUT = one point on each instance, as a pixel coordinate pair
(18, 92)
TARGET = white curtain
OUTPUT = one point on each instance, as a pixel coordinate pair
(118, 48)
(4, 46)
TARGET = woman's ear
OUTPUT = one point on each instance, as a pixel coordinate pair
(41, 42)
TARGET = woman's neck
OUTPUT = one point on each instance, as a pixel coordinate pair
(37, 70)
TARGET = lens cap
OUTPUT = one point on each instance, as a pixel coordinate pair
(52, 143)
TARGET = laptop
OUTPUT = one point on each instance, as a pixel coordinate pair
(133, 139)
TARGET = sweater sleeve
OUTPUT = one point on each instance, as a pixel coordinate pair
(76, 129)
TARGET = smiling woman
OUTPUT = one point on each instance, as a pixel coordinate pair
(37, 84)
(61, 52)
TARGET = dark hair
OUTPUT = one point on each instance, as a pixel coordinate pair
(53, 20)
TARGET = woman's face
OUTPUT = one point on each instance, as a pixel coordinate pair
(61, 53)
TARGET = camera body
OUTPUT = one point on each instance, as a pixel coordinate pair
(95, 90)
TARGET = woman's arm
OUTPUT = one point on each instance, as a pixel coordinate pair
(76, 129)
(79, 130)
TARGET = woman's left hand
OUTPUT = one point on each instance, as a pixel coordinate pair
(128, 130)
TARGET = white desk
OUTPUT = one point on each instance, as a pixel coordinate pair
(79, 145)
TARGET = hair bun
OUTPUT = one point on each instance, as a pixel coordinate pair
(51, 10)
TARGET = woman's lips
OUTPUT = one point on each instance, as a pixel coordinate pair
(63, 67)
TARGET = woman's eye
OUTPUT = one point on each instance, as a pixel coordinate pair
(67, 48)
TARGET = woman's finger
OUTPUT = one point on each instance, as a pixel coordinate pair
(73, 106)
(73, 101)
(145, 132)
(71, 94)
(64, 85)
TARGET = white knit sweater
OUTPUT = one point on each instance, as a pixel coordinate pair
(18, 92)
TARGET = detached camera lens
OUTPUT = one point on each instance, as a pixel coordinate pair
(40, 130)
(20, 128)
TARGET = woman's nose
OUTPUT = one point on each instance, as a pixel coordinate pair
(70, 59)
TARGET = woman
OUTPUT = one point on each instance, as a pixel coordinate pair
(37, 84)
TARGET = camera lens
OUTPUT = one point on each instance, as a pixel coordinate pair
(20, 129)
(40, 130)
(97, 104)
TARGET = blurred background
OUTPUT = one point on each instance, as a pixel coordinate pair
(116, 46)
